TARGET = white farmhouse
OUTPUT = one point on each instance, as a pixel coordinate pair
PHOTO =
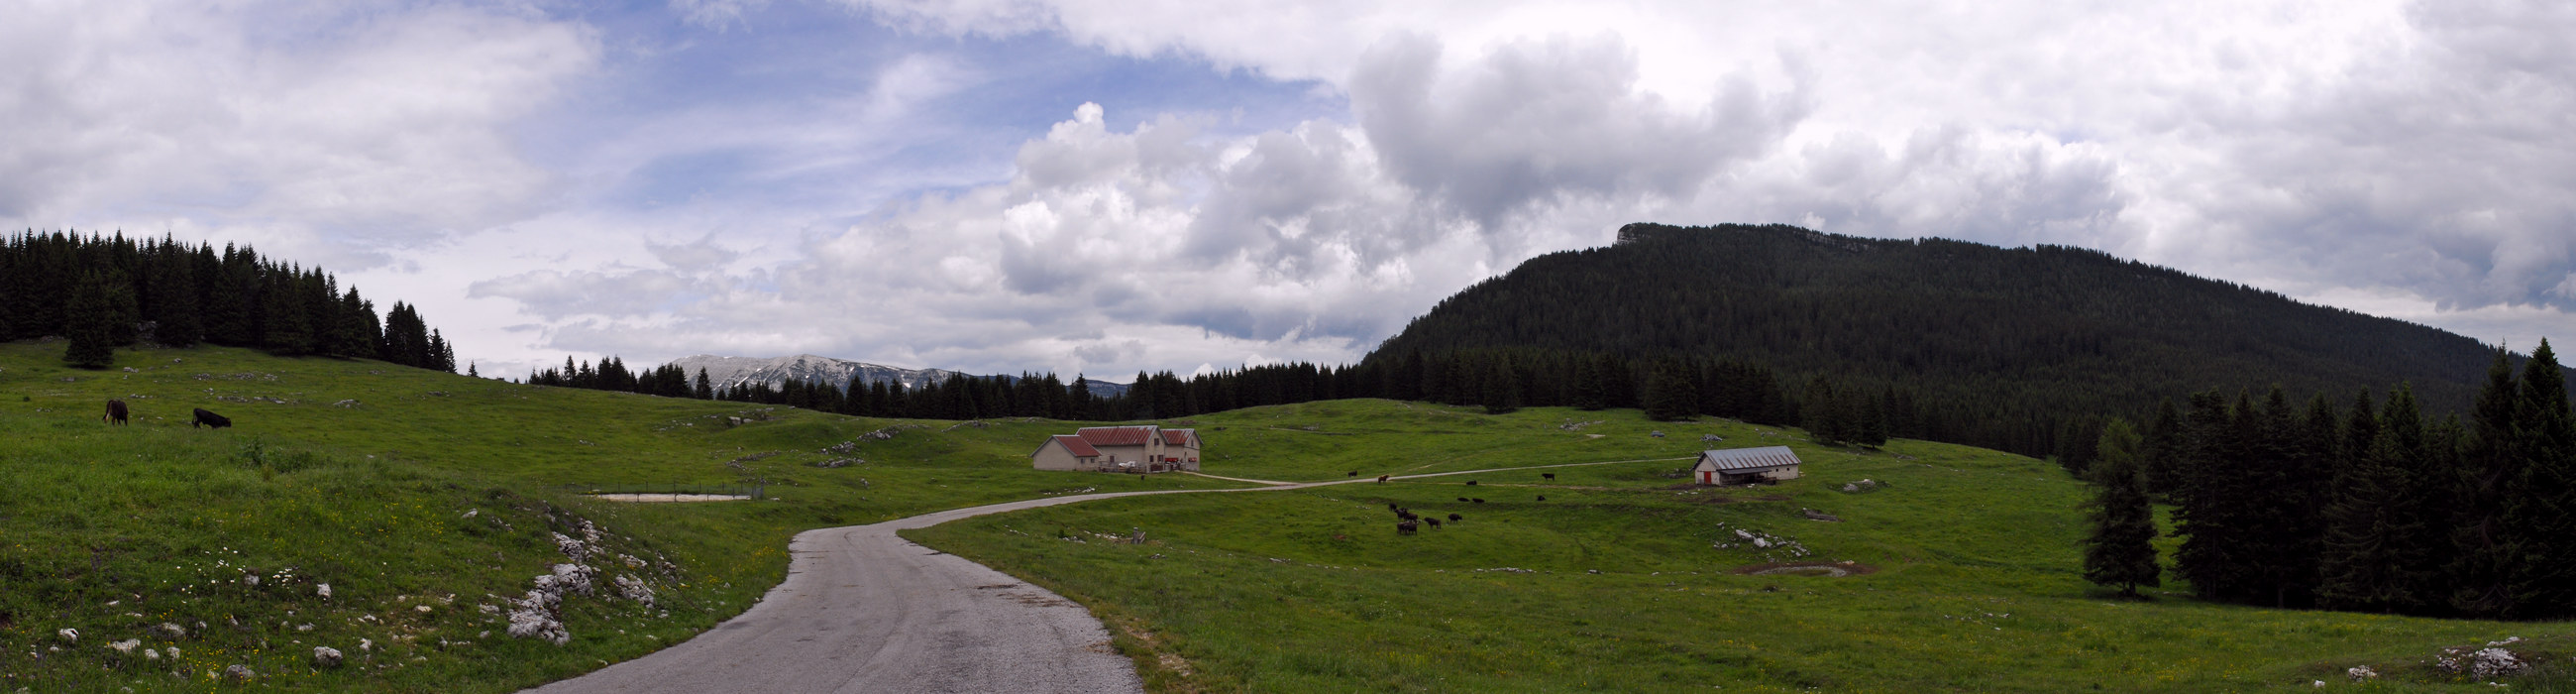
(1146, 448)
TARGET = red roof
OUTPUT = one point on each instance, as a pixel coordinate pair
(1080, 448)
(1115, 436)
(1180, 437)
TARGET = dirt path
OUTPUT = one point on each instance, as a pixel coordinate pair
(863, 610)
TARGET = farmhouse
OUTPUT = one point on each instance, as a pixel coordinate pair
(1746, 465)
(1139, 449)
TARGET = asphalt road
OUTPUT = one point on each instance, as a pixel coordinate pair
(865, 611)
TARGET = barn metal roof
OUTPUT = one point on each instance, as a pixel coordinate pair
(1748, 458)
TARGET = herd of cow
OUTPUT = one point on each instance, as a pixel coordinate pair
(117, 413)
(1407, 522)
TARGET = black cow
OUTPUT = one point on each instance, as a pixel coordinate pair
(1477, 500)
(1407, 527)
(1462, 499)
(1542, 497)
(209, 419)
(1471, 483)
(1435, 523)
(116, 412)
(1392, 507)
(1548, 475)
(1354, 473)
(1407, 515)
(1453, 518)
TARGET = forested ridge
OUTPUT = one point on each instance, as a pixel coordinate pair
(104, 292)
(2019, 349)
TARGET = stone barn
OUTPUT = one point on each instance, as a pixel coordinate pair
(1746, 465)
(1146, 448)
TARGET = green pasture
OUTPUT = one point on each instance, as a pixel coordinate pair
(1964, 573)
(361, 475)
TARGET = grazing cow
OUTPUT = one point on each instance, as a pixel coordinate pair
(1435, 523)
(1381, 478)
(1392, 507)
(1354, 473)
(115, 412)
(1407, 527)
(209, 419)
(1407, 515)
(1542, 497)
(1453, 518)
(1549, 475)
(1462, 499)
(1477, 500)
(1471, 483)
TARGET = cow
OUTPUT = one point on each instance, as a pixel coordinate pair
(1381, 478)
(1435, 523)
(1478, 500)
(116, 412)
(1407, 515)
(1471, 483)
(1354, 473)
(1462, 499)
(1407, 527)
(1453, 518)
(209, 419)
(1542, 497)
(1392, 507)
(1549, 475)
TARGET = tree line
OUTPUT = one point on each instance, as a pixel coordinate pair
(2372, 507)
(104, 292)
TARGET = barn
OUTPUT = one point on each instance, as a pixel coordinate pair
(1746, 465)
(1146, 448)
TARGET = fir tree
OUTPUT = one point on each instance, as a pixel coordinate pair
(1502, 391)
(1670, 397)
(92, 343)
(284, 327)
(2121, 549)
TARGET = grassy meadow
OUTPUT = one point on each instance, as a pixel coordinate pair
(1964, 573)
(418, 497)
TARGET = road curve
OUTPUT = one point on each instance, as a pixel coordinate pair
(863, 610)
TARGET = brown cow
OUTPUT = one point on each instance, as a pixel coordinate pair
(116, 412)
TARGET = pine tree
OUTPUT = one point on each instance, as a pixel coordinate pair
(2121, 549)
(174, 303)
(284, 327)
(1590, 393)
(2378, 547)
(1502, 391)
(92, 344)
(2161, 456)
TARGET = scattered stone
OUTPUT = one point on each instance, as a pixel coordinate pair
(2481, 663)
(68, 634)
(238, 673)
(1865, 485)
(839, 462)
(423, 609)
(171, 631)
(326, 657)
(1710, 438)
(2361, 673)
(635, 589)
(323, 590)
(125, 646)
(350, 404)
(1816, 515)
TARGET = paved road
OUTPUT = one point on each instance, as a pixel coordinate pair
(865, 611)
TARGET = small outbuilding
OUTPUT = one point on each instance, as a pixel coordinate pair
(1746, 465)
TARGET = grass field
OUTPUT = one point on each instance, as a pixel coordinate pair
(1625, 580)
(404, 489)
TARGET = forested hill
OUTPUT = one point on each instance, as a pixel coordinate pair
(2021, 336)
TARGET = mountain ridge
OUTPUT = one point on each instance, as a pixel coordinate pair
(735, 372)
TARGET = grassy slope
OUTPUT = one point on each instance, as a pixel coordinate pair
(110, 531)
(1976, 588)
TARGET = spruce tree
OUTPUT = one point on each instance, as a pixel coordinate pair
(2541, 506)
(2120, 551)
(1502, 391)
(2485, 548)
(92, 345)
(1590, 393)
(1670, 396)
(284, 321)
(174, 304)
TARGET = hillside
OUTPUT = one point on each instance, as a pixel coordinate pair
(2007, 342)
(1963, 571)
(419, 497)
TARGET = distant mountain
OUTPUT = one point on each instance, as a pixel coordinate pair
(2002, 337)
(730, 372)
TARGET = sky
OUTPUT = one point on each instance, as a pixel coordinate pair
(1099, 187)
